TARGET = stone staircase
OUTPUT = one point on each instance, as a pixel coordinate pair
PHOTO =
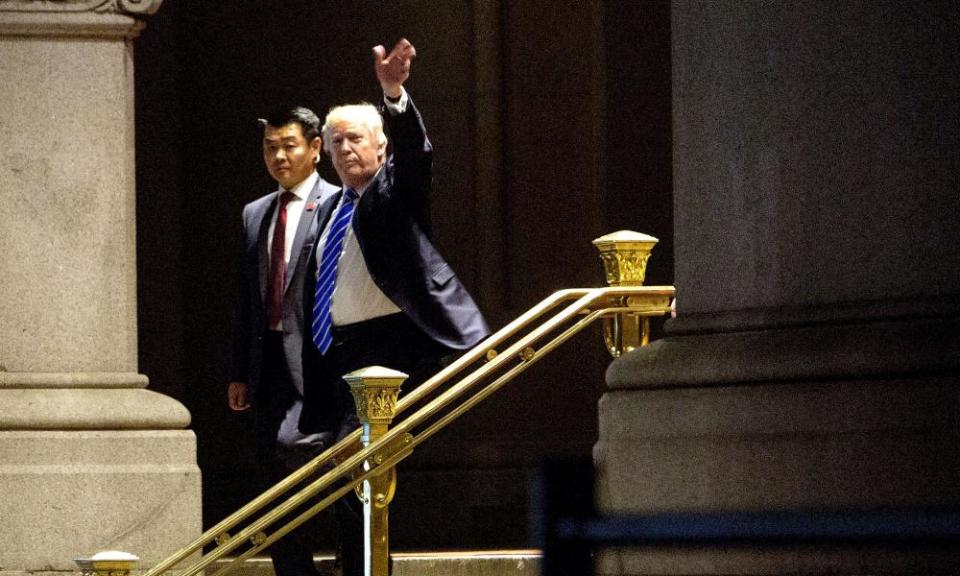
(461, 563)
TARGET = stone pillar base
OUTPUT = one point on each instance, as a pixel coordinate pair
(857, 444)
(855, 416)
(68, 494)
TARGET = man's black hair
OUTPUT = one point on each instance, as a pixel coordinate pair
(305, 117)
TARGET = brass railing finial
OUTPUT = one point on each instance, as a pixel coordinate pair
(624, 255)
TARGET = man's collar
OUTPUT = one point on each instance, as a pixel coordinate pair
(361, 189)
(302, 190)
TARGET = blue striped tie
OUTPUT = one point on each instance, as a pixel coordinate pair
(327, 272)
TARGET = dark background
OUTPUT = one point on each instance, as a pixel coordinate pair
(551, 124)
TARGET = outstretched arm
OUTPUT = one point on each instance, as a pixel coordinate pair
(412, 154)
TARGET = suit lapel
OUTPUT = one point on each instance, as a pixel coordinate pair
(303, 231)
(324, 212)
(263, 257)
(373, 196)
(326, 209)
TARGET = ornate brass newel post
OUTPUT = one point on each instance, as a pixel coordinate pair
(624, 255)
(375, 390)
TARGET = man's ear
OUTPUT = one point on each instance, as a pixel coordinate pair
(382, 147)
(316, 145)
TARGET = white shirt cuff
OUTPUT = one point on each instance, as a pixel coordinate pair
(398, 107)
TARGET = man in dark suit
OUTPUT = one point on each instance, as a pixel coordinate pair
(394, 301)
(279, 231)
(380, 292)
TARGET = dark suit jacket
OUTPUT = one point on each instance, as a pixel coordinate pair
(391, 225)
(254, 278)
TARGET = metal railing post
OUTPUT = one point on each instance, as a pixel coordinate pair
(624, 255)
(375, 390)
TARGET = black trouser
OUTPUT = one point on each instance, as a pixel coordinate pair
(391, 341)
(292, 555)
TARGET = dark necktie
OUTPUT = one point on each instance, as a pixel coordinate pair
(278, 265)
(327, 272)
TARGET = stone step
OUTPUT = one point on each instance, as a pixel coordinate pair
(454, 563)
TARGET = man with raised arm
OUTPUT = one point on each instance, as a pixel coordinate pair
(381, 294)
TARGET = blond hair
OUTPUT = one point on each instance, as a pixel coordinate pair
(364, 113)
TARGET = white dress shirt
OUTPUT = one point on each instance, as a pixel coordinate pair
(356, 297)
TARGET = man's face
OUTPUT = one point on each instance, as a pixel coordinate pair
(356, 152)
(289, 157)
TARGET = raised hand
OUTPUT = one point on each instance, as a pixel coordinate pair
(237, 396)
(393, 69)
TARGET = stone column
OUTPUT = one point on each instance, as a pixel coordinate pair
(814, 361)
(89, 459)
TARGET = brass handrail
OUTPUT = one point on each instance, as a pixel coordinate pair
(587, 303)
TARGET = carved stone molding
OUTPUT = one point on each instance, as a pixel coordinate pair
(134, 7)
(118, 19)
(885, 349)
